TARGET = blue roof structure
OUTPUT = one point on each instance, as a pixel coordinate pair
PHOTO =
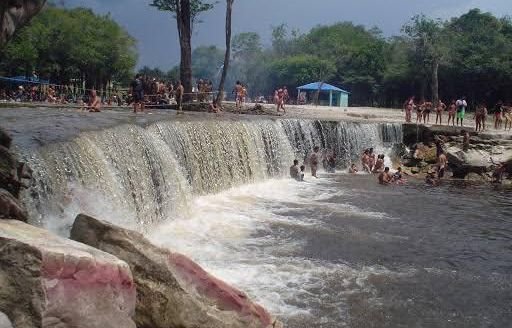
(322, 86)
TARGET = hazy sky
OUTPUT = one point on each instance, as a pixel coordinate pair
(157, 37)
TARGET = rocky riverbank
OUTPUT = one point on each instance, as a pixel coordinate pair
(485, 153)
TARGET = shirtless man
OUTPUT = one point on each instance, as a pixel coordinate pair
(365, 161)
(353, 169)
(427, 108)
(419, 112)
(239, 94)
(286, 96)
(372, 160)
(137, 91)
(498, 115)
(384, 177)
(179, 91)
(452, 110)
(439, 112)
(314, 160)
(294, 170)
(280, 100)
(442, 162)
(94, 104)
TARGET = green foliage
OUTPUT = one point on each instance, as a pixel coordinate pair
(65, 45)
(246, 45)
(301, 69)
(196, 7)
(207, 62)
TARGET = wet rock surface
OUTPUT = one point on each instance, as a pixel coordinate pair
(172, 290)
(48, 281)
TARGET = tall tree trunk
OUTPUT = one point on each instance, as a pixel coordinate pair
(184, 20)
(227, 56)
(435, 82)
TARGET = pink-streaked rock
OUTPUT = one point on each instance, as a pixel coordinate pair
(172, 290)
(48, 281)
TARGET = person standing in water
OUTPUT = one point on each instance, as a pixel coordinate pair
(462, 105)
(465, 140)
(442, 163)
(294, 170)
(313, 161)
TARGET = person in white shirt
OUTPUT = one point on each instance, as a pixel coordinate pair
(462, 105)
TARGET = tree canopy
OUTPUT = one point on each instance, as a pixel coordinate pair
(67, 45)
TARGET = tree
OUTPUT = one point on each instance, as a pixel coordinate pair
(207, 62)
(227, 56)
(185, 13)
(427, 35)
(15, 14)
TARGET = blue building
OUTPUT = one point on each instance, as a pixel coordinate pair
(329, 95)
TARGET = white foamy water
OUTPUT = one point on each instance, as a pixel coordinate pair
(242, 236)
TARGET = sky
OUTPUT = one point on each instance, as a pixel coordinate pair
(157, 38)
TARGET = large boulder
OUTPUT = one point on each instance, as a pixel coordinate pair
(173, 291)
(48, 281)
(15, 14)
(10, 207)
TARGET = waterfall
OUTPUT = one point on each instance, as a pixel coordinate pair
(137, 176)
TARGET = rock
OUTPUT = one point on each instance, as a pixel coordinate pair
(426, 153)
(48, 281)
(5, 139)
(476, 177)
(4, 321)
(415, 170)
(173, 291)
(15, 14)
(10, 207)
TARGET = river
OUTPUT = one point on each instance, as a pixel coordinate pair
(338, 251)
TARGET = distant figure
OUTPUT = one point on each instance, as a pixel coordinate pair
(179, 91)
(430, 179)
(302, 173)
(213, 108)
(372, 159)
(465, 140)
(409, 107)
(384, 177)
(462, 105)
(439, 112)
(313, 161)
(294, 170)
(507, 114)
(442, 163)
(498, 172)
(480, 117)
(452, 110)
(397, 177)
(498, 115)
(239, 94)
(419, 112)
(137, 91)
(379, 164)
(353, 169)
(286, 96)
(427, 108)
(94, 104)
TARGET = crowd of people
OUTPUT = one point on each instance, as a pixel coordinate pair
(457, 110)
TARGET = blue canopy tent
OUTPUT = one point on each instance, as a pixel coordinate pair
(337, 97)
(23, 80)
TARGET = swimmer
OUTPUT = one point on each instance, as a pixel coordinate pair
(384, 177)
(353, 169)
(397, 177)
(365, 160)
(379, 164)
(294, 170)
(430, 179)
(302, 173)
